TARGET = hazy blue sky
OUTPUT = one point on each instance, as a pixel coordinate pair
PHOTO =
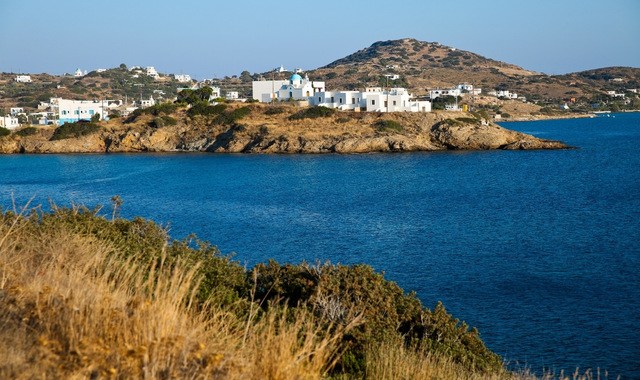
(207, 38)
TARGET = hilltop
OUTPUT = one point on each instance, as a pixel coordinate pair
(423, 65)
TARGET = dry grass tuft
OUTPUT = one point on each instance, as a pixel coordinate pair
(69, 308)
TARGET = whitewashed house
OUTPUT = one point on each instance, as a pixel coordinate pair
(15, 111)
(232, 95)
(437, 92)
(183, 78)
(151, 71)
(79, 73)
(394, 100)
(265, 90)
(9, 122)
(373, 99)
(23, 78)
(146, 103)
(70, 111)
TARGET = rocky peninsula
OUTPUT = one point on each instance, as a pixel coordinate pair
(279, 128)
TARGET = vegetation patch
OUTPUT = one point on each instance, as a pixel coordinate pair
(28, 131)
(313, 113)
(156, 110)
(274, 110)
(4, 132)
(388, 126)
(74, 130)
(163, 282)
(163, 121)
(204, 109)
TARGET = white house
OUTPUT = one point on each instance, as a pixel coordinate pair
(392, 76)
(183, 78)
(615, 94)
(437, 92)
(9, 122)
(232, 95)
(506, 94)
(70, 111)
(342, 100)
(151, 71)
(79, 73)
(14, 111)
(373, 99)
(394, 100)
(145, 103)
(469, 88)
(265, 90)
(23, 78)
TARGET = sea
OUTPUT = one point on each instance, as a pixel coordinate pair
(540, 250)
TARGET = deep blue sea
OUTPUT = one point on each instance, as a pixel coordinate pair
(538, 249)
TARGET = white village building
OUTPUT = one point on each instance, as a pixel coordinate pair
(437, 92)
(373, 99)
(265, 90)
(183, 78)
(9, 122)
(23, 78)
(70, 111)
(151, 71)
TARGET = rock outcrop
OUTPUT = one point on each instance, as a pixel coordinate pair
(260, 134)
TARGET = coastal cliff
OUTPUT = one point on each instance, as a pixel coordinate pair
(279, 129)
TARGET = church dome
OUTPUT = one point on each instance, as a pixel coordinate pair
(295, 77)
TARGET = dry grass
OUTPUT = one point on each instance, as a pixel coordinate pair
(70, 309)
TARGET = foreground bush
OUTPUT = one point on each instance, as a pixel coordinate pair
(90, 296)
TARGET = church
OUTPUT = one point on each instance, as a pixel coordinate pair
(296, 88)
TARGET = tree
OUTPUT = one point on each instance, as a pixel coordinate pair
(95, 118)
(245, 76)
(123, 67)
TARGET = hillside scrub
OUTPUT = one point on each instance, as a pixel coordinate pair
(86, 295)
(75, 130)
(312, 113)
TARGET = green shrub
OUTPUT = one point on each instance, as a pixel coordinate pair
(162, 121)
(28, 131)
(156, 110)
(74, 130)
(388, 126)
(4, 132)
(204, 109)
(274, 110)
(343, 120)
(312, 113)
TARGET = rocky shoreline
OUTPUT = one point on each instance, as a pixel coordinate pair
(260, 133)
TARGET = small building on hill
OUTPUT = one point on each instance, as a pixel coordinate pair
(9, 122)
(23, 78)
(373, 99)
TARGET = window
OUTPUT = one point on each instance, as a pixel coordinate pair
(76, 112)
(373, 102)
(333, 100)
(319, 99)
(394, 102)
(340, 100)
(91, 112)
(353, 100)
(386, 103)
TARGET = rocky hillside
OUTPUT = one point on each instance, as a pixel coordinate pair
(258, 128)
(422, 65)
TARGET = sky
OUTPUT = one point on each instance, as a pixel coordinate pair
(207, 39)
